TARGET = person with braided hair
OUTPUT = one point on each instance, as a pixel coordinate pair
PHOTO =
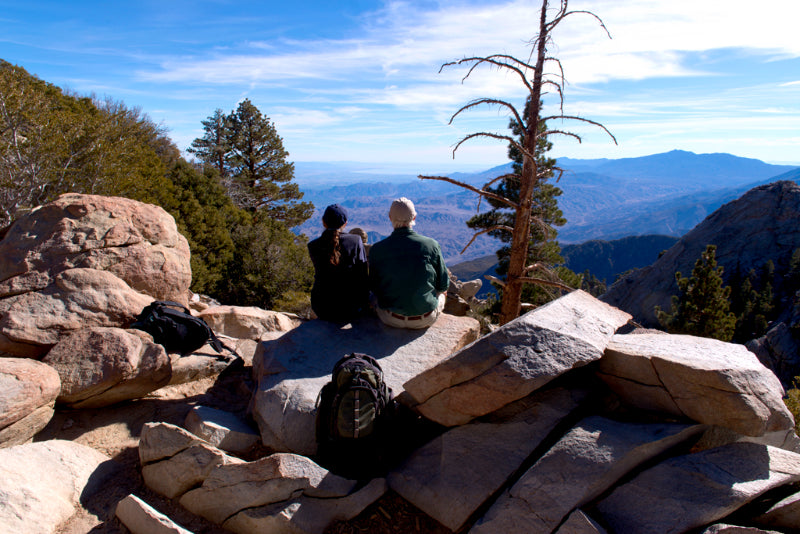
(340, 291)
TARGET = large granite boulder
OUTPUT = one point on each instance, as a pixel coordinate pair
(42, 484)
(28, 391)
(248, 322)
(516, 359)
(694, 490)
(102, 366)
(292, 369)
(86, 260)
(278, 493)
(31, 323)
(703, 379)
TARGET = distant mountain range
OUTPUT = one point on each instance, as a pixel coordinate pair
(604, 199)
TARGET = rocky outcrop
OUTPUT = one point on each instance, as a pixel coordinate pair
(292, 369)
(83, 261)
(28, 391)
(102, 366)
(705, 380)
(450, 477)
(278, 493)
(761, 225)
(42, 484)
(248, 322)
(693, 490)
(513, 361)
(554, 422)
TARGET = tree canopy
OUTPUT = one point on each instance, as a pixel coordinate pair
(247, 151)
(52, 143)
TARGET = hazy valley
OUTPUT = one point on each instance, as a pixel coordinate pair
(663, 194)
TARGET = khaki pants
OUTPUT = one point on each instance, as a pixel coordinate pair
(415, 322)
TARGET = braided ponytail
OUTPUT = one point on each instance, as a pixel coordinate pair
(335, 247)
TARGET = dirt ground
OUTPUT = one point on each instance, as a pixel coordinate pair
(115, 431)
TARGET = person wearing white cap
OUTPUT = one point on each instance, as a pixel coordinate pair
(407, 273)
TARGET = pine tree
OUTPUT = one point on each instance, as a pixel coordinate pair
(258, 166)
(543, 249)
(702, 309)
(533, 76)
(246, 150)
(213, 148)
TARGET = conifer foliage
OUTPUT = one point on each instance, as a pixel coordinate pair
(544, 251)
(247, 151)
(703, 306)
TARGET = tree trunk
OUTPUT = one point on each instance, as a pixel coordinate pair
(518, 259)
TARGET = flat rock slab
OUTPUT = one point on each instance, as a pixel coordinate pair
(695, 490)
(42, 483)
(452, 475)
(305, 515)
(588, 460)
(706, 380)
(516, 359)
(141, 518)
(292, 369)
(229, 489)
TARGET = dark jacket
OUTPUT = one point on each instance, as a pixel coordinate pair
(340, 291)
(407, 272)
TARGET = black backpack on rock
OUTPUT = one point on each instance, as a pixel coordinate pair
(354, 416)
(174, 327)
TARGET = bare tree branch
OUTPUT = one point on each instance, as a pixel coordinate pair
(491, 60)
(481, 192)
(488, 101)
(543, 282)
(506, 138)
(581, 119)
(484, 231)
(561, 132)
(494, 279)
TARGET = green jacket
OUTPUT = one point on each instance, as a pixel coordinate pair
(407, 272)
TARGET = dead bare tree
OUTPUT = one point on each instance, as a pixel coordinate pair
(533, 76)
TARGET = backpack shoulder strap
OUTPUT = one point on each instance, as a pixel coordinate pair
(218, 345)
(173, 304)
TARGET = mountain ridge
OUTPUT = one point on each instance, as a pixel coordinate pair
(619, 201)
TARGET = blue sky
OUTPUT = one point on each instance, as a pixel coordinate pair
(358, 80)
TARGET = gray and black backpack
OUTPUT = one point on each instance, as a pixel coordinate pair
(354, 412)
